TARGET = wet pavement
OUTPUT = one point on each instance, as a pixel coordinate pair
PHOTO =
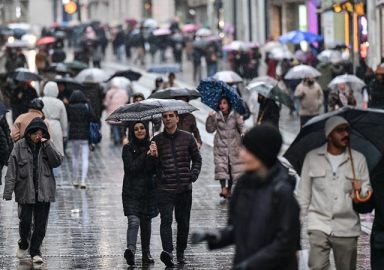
(95, 237)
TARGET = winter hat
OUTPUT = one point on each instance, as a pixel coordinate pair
(51, 89)
(264, 142)
(36, 104)
(332, 123)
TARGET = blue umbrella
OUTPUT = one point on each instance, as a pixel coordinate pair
(213, 90)
(298, 36)
(3, 109)
(165, 69)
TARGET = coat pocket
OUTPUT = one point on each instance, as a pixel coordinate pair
(348, 183)
(23, 168)
(318, 179)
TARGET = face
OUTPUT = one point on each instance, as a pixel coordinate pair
(36, 137)
(342, 86)
(61, 87)
(224, 106)
(379, 77)
(138, 99)
(139, 131)
(170, 120)
(339, 137)
(311, 80)
(171, 78)
(252, 163)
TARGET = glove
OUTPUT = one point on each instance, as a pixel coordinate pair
(198, 237)
(241, 266)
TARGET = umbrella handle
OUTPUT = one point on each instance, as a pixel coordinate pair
(261, 118)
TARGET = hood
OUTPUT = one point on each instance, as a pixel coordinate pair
(51, 89)
(77, 97)
(38, 123)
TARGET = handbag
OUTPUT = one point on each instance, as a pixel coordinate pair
(94, 131)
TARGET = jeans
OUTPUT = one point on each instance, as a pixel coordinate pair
(196, 72)
(120, 52)
(39, 212)
(145, 224)
(116, 132)
(211, 69)
(182, 203)
(76, 144)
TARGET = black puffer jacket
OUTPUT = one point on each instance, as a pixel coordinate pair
(139, 182)
(80, 114)
(176, 151)
(263, 222)
(376, 90)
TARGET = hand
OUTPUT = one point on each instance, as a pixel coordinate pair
(210, 114)
(153, 149)
(125, 141)
(65, 101)
(64, 139)
(43, 139)
(242, 118)
(20, 95)
(242, 134)
(337, 107)
(356, 184)
(199, 145)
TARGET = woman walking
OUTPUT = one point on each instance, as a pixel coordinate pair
(139, 191)
(30, 176)
(80, 115)
(229, 126)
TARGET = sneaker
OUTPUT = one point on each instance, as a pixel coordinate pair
(21, 253)
(83, 185)
(37, 259)
(75, 183)
(167, 259)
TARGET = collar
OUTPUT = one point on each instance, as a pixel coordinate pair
(229, 114)
(171, 136)
(36, 111)
(323, 150)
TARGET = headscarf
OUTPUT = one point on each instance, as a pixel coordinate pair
(140, 143)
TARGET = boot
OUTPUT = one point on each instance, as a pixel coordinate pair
(224, 192)
(147, 258)
(129, 255)
(167, 259)
(181, 258)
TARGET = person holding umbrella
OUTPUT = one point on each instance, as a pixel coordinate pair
(326, 194)
(269, 111)
(229, 127)
(341, 96)
(376, 90)
(21, 97)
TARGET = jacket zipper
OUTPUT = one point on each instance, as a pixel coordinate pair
(175, 162)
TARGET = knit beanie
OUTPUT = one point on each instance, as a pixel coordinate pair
(264, 142)
(333, 122)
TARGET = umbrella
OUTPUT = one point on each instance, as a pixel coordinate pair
(16, 44)
(60, 34)
(367, 131)
(337, 45)
(55, 25)
(213, 90)
(301, 56)
(203, 32)
(302, 72)
(3, 109)
(164, 69)
(93, 75)
(298, 36)
(150, 23)
(281, 53)
(352, 81)
(77, 65)
(201, 43)
(329, 56)
(121, 83)
(269, 46)
(272, 92)
(149, 109)
(172, 93)
(227, 76)
(69, 83)
(45, 40)
(265, 79)
(177, 37)
(129, 74)
(236, 46)
(24, 75)
(73, 23)
(131, 22)
(189, 28)
(57, 67)
(253, 45)
(18, 32)
(161, 32)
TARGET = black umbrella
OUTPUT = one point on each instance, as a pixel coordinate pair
(24, 75)
(3, 109)
(70, 83)
(201, 44)
(57, 67)
(367, 133)
(166, 68)
(129, 74)
(149, 109)
(173, 93)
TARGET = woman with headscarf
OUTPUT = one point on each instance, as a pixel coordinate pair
(229, 126)
(341, 96)
(139, 191)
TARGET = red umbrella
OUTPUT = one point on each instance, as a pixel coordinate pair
(131, 22)
(55, 25)
(46, 40)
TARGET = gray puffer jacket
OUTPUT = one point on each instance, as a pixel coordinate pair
(226, 144)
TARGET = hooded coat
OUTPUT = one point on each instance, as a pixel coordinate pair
(54, 110)
(20, 174)
(376, 90)
(226, 144)
(326, 75)
(115, 98)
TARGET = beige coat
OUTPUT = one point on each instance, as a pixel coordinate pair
(310, 97)
(226, 144)
(327, 202)
(23, 121)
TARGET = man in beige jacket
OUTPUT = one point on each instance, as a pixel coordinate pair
(326, 195)
(311, 97)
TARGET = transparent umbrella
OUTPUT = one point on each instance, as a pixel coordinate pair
(302, 72)
(352, 81)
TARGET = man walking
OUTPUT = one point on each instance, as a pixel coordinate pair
(175, 175)
(325, 194)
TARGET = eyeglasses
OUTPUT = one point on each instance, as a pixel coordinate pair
(35, 135)
(343, 130)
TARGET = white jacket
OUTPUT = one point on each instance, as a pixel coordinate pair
(327, 202)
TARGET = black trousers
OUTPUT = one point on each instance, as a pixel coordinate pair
(182, 203)
(33, 233)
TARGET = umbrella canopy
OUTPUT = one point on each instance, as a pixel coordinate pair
(57, 67)
(329, 56)
(45, 40)
(149, 109)
(93, 75)
(77, 65)
(203, 32)
(269, 46)
(162, 69)
(265, 79)
(272, 92)
(69, 83)
(60, 34)
(150, 23)
(3, 109)
(24, 75)
(253, 44)
(177, 37)
(366, 133)
(17, 44)
(201, 43)
(236, 45)
(281, 53)
(131, 22)
(121, 83)
(161, 32)
(302, 72)
(189, 28)
(213, 90)
(352, 81)
(227, 76)
(298, 36)
(129, 74)
(173, 93)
